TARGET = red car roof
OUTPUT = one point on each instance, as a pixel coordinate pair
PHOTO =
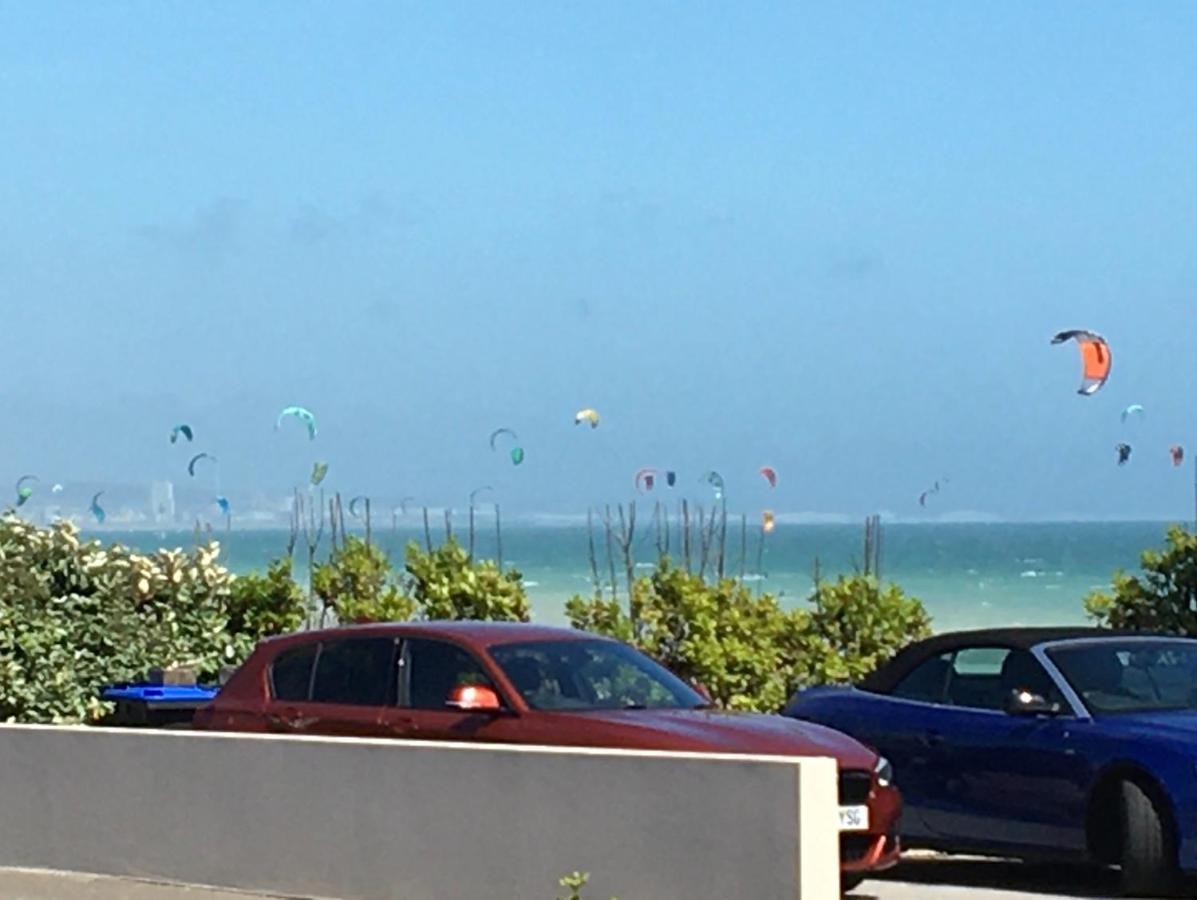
(481, 634)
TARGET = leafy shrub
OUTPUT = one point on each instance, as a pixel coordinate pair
(737, 645)
(75, 616)
(358, 584)
(260, 606)
(448, 584)
(746, 650)
(857, 624)
(1163, 598)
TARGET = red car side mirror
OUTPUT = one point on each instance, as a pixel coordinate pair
(473, 698)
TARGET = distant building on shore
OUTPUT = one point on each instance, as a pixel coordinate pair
(162, 502)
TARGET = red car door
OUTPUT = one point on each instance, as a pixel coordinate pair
(350, 683)
(429, 670)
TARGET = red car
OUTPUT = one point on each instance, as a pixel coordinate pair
(528, 684)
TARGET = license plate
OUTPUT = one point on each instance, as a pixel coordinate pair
(854, 818)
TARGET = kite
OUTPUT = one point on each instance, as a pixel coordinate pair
(303, 415)
(1095, 358)
(1177, 453)
(499, 432)
(644, 480)
(96, 510)
(768, 521)
(770, 475)
(516, 453)
(184, 430)
(355, 503)
(57, 489)
(715, 480)
(671, 478)
(1133, 410)
(476, 491)
(1124, 453)
(587, 415)
(25, 489)
(195, 459)
(923, 498)
(223, 503)
(319, 470)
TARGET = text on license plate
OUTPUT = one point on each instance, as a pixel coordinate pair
(854, 818)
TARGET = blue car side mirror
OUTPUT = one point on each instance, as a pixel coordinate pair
(1025, 703)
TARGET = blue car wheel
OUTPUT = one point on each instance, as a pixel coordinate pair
(1148, 857)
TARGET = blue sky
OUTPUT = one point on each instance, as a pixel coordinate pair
(835, 239)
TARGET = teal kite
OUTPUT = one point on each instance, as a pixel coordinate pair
(184, 430)
(196, 459)
(25, 489)
(499, 432)
(303, 415)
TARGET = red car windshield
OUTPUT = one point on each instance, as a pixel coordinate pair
(591, 675)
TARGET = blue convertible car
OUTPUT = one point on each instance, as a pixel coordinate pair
(1067, 743)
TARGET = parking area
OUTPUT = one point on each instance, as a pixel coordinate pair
(939, 877)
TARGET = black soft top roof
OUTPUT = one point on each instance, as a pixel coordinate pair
(887, 675)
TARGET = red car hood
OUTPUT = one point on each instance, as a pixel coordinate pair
(716, 731)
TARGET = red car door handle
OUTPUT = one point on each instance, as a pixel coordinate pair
(288, 718)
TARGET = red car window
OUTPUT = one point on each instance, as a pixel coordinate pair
(434, 668)
(355, 672)
(291, 673)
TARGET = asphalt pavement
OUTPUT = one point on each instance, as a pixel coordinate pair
(938, 877)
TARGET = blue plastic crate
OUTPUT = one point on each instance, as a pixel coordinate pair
(155, 694)
(144, 705)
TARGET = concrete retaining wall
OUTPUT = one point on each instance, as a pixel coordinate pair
(421, 820)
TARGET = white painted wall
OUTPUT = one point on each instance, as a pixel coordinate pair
(422, 820)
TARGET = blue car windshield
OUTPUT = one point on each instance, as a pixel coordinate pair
(591, 675)
(1113, 676)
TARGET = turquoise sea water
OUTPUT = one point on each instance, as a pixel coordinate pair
(968, 575)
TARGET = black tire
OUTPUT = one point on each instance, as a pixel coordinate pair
(851, 882)
(1148, 852)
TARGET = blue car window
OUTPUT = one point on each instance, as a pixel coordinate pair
(985, 677)
(926, 682)
(1113, 676)
(1023, 672)
(975, 679)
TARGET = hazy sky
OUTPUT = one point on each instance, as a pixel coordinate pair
(835, 239)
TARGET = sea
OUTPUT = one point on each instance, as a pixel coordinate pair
(967, 575)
